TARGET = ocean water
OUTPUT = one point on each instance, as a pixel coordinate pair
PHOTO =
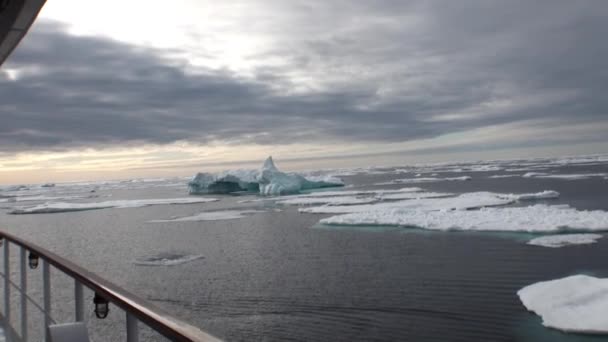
(276, 274)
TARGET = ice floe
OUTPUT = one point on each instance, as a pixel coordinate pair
(573, 304)
(435, 216)
(359, 192)
(59, 207)
(426, 180)
(563, 176)
(561, 240)
(547, 194)
(167, 259)
(413, 195)
(430, 201)
(504, 176)
(212, 216)
(338, 200)
(267, 181)
(465, 201)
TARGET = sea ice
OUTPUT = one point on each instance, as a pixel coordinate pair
(465, 201)
(504, 176)
(428, 180)
(573, 304)
(59, 207)
(212, 216)
(267, 181)
(413, 195)
(338, 200)
(360, 192)
(561, 240)
(563, 176)
(167, 259)
(547, 194)
(537, 218)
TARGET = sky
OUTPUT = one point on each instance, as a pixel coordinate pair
(119, 89)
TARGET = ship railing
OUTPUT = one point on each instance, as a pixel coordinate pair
(137, 309)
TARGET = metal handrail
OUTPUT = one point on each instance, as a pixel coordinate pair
(145, 312)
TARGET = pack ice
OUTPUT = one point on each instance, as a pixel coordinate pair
(573, 304)
(267, 181)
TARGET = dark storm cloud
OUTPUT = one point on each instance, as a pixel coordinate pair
(396, 71)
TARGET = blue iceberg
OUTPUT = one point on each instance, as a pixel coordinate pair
(267, 181)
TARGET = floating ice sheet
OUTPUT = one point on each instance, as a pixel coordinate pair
(338, 200)
(212, 216)
(59, 207)
(427, 180)
(537, 218)
(464, 201)
(413, 195)
(561, 240)
(564, 176)
(167, 259)
(573, 304)
(504, 176)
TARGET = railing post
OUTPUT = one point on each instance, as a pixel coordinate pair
(46, 283)
(132, 328)
(23, 295)
(78, 301)
(7, 286)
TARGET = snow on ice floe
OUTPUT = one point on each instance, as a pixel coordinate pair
(563, 176)
(429, 201)
(413, 195)
(465, 201)
(561, 240)
(425, 180)
(328, 200)
(360, 192)
(267, 181)
(504, 176)
(536, 218)
(59, 207)
(167, 259)
(212, 216)
(576, 303)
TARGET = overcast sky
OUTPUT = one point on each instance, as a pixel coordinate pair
(140, 88)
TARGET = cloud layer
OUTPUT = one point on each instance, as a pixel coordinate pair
(387, 71)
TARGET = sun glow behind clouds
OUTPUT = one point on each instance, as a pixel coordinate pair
(207, 34)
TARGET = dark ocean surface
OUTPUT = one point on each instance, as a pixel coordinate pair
(278, 275)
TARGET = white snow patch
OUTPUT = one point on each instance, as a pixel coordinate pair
(59, 207)
(537, 218)
(212, 216)
(428, 180)
(573, 304)
(413, 195)
(556, 241)
(564, 176)
(465, 201)
(547, 194)
(504, 176)
(339, 200)
(533, 174)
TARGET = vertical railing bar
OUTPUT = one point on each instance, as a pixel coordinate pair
(7, 289)
(78, 301)
(46, 281)
(132, 328)
(23, 295)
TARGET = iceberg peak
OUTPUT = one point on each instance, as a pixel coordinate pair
(269, 165)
